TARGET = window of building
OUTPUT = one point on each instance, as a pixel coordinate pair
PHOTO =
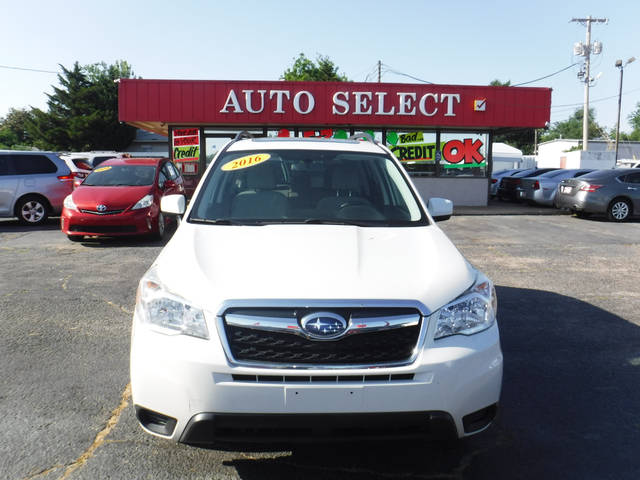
(416, 150)
(464, 154)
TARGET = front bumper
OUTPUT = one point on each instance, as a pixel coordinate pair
(197, 396)
(129, 222)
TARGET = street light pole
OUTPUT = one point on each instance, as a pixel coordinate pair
(621, 67)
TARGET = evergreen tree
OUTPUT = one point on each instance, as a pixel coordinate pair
(83, 111)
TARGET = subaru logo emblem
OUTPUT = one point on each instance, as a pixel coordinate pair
(323, 325)
(102, 208)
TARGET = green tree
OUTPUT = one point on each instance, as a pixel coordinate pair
(305, 70)
(498, 83)
(13, 129)
(634, 120)
(83, 110)
(572, 127)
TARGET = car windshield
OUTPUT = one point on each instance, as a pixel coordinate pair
(121, 175)
(555, 173)
(306, 186)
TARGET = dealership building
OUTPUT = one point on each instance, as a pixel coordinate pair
(441, 133)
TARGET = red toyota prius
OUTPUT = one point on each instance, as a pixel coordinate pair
(121, 197)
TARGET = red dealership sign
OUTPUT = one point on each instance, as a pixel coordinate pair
(275, 103)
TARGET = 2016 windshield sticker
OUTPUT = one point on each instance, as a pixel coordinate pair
(102, 169)
(245, 162)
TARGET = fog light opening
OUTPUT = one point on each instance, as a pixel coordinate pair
(156, 422)
(480, 419)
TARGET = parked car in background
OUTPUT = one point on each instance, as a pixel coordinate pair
(508, 188)
(84, 162)
(542, 189)
(615, 193)
(497, 176)
(33, 185)
(79, 167)
(121, 197)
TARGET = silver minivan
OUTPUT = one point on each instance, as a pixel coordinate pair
(33, 185)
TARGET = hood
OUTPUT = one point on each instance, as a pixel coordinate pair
(208, 264)
(115, 198)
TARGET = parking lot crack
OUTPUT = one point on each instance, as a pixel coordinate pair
(115, 305)
(101, 436)
(44, 472)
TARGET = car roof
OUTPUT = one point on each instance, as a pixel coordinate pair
(305, 144)
(133, 161)
(609, 172)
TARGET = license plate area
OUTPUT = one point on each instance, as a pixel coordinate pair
(329, 399)
(565, 189)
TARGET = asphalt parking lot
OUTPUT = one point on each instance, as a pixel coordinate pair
(569, 313)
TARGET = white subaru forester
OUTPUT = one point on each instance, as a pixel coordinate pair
(308, 293)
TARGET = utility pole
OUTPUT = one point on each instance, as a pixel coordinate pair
(621, 66)
(379, 71)
(585, 50)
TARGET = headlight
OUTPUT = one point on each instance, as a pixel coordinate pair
(68, 203)
(168, 313)
(144, 202)
(472, 312)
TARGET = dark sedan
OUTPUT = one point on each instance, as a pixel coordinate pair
(508, 189)
(615, 193)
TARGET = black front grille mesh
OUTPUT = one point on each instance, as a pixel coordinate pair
(371, 348)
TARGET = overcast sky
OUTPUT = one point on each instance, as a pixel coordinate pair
(454, 42)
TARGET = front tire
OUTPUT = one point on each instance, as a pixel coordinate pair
(32, 210)
(619, 210)
(162, 227)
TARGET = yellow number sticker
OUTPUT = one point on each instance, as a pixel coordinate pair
(102, 169)
(245, 162)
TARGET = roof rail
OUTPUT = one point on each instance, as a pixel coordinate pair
(362, 136)
(243, 135)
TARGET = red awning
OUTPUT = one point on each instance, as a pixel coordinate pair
(155, 104)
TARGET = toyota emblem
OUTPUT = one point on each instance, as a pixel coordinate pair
(102, 208)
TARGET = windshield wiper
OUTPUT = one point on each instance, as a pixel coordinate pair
(327, 221)
(217, 221)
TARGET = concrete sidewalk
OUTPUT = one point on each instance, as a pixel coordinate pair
(497, 207)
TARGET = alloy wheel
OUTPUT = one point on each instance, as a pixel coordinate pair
(619, 210)
(33, 211)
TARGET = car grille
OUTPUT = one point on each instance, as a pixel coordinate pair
(255, 344)
(399, 377)
(108, 212)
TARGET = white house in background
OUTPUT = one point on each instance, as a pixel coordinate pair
(506, 157)
(566, 153)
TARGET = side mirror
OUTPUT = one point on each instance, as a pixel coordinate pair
(173, 204)
(440, 208)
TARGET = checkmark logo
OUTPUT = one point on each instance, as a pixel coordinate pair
(480, 105)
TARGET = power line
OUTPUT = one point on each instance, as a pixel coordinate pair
(596, 100)
(391, 70)
(27, 69)
(546, 76)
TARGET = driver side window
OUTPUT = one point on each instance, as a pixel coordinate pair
(161, 179)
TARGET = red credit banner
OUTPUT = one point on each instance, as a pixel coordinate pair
(277, 103)
(180, 141)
